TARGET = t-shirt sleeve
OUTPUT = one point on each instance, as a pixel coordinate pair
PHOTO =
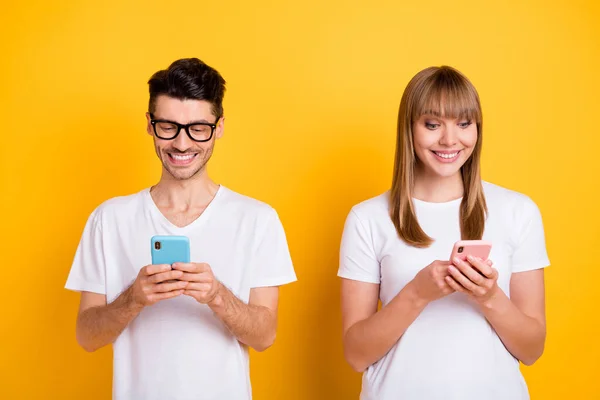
(88, 272)
(530, 244)
(358, 260)
(272, 262)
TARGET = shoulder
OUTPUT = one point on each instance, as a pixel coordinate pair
(373, 209)
(118, 207)
(509, 203)
(238, 203)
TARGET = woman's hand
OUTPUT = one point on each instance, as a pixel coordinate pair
(473, 277)
(430, 284)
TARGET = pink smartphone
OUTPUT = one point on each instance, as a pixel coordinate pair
(476, 248)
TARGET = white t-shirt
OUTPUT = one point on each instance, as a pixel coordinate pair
(450, 352)
(177, 348)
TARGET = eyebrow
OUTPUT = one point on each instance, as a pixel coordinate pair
(432, 113)
(436, 114)
(200, 121)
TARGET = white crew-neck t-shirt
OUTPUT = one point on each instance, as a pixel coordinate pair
(177, 348)
(450, 352)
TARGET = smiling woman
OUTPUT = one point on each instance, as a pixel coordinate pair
(431, 338)
(440, 117)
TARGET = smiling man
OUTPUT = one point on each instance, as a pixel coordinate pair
(182, 331)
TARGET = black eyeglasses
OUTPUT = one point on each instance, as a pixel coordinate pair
(197, 131)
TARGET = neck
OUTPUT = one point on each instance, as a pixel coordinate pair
(196, 191)
(437, 189)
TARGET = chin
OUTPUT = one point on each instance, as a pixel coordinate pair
(182, 174)
(434, 172)
(445, 171)
(182, 177)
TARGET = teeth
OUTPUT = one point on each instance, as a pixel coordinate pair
(447, 156)
(181, 157)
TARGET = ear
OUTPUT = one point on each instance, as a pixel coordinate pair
(149, 128)
(220, 129)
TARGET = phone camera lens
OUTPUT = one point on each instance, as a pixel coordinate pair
(460, 249)
(157, 245)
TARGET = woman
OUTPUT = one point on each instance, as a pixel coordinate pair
(446, 329)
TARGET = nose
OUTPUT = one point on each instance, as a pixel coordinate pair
(182, 142)
(449, 135)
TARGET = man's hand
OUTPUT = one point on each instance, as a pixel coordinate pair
(155, 283)
(201, 282)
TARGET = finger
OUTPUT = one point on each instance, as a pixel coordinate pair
(165, 276)
(446, 289)
(442, 266)
(455, 285)
(480, 265)
(462, 280)
(467, 270)
(494, 274)
(154, 269)
(191, 267)
(166, 295)
(169, 286)
(193, 293)
(200, 297)
(201, 287)
(197, 277)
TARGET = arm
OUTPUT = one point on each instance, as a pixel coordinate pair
(519, 321)
(255, 323)
(99, 324)
(369, 334)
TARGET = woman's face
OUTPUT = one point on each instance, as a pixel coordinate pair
(443, 145)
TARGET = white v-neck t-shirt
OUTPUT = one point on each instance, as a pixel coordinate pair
(450, 352)
(177, 348)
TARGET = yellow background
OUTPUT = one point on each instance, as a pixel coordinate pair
(313, 92)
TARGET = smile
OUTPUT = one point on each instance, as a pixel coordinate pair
(182, 159)
(446, 156)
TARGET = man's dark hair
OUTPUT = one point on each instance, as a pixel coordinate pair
(188, 78)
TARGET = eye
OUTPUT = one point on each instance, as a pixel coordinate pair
(465, 124)
(166, 127)
(431, 125)
(200, 128)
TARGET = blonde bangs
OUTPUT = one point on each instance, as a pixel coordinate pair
(447, 94)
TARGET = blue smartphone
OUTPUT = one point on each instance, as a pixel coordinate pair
(170, 249)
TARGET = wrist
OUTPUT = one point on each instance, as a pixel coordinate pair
(412, 293)
(217, 300)
(130, 301)
(493, 300)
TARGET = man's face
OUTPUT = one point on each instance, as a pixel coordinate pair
(183, 157)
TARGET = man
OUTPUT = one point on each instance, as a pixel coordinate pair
(181, 331)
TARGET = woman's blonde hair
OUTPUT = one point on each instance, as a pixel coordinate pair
(445, 92)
